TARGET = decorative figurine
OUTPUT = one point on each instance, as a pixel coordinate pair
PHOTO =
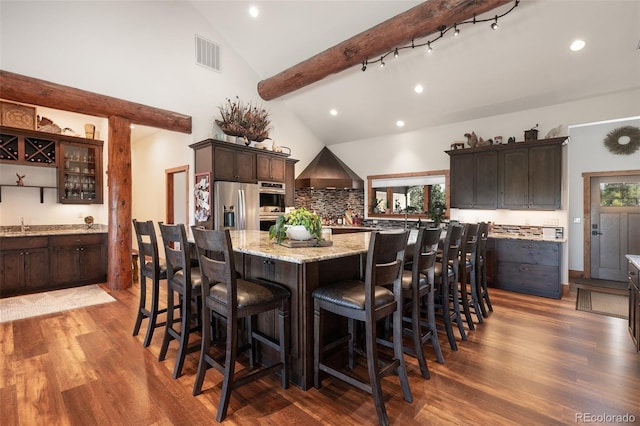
(20, 182)
(555, 132)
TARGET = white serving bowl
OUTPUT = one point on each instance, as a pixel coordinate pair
(298, 232)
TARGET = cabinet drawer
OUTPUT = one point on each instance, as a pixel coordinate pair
(530, 279)
(530, 252)
(19, 243)
(75, 240)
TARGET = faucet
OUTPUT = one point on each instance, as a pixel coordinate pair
(22, 227)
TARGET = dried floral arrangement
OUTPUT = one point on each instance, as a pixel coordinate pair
(245, 120)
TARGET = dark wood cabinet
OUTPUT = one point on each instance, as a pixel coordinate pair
(270, 168)
(531, 267)
(231, 164)
(634, 304)
(524, 175)
(290, 183)
(474, 180)
(78, 259)
(28, 147)
(490, 261)
(80, 173)
(25, 264)
(530, 177)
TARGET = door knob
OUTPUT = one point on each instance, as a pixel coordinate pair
(596, 233)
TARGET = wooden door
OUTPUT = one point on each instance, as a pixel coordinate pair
(615, 225)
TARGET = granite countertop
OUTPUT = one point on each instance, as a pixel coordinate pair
(44, 230)
(635, 259)
(258, 243)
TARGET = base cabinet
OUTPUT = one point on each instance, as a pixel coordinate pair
(25, 265)
(531, 267)
(77, 259)
(634, 304)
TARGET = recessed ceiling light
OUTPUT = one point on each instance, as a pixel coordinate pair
(577, 45)
(333, 111)
(400, 123)
(418, 88)
(253, 11)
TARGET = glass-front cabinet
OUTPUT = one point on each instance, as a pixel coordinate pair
(80, 173)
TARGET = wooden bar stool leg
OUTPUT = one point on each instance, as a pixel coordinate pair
(229, 369)
(141, 305)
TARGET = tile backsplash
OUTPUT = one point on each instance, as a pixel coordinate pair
(331, 203)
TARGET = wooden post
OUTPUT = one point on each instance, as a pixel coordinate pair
(119, 182)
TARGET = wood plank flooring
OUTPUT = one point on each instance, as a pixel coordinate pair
(534, 361)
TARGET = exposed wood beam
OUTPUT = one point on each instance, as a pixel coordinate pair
(418, 22)
(19, 88)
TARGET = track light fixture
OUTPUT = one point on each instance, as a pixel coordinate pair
(443, 29)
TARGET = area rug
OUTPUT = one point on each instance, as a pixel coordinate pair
(613, 305)
(31, 305)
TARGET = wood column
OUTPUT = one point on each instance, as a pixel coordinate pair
(119, 274)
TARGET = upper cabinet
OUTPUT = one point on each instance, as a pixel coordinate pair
(19, 146)
(79, 161)
(234, 165)
(474, 180)
(270, 168)
(531, 178)
(526, 175)
(80, 177)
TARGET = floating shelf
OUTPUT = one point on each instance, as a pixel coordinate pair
(42, 188)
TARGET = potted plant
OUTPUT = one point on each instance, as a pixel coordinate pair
(436, 212)
(244, 120)
(298, 224)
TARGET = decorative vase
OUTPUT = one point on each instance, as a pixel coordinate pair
(298, 232)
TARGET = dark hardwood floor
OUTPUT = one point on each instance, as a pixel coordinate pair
(534, 361)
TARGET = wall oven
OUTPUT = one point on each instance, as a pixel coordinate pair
(272, 196)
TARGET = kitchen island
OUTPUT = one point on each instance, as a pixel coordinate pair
(301, 270)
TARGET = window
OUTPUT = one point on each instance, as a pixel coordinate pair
(620, 194)
(407, 194)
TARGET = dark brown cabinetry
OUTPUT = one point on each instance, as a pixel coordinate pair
(270, 168)
(530, 177)
(78, 259)
(634, 304)
(290, 183)
(25, 264)
(474, 180)
(231, 164)
(524, 175)
(531, 267)
(19, 146)
(80, 173)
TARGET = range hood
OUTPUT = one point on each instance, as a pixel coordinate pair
(326, 171)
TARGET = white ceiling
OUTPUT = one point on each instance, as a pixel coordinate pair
(525, 64)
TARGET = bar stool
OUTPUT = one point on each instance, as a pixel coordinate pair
(367, 301)
(224, 294)
(446, 280)
(152, 267)
(481, 265)
(185, 280)
(467, 274)
(418, 284)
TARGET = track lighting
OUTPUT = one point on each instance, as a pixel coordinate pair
(494, 26)
(442, 29)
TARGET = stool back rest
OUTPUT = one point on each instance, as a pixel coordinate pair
(147, 244)
(469, 244)
(483, 232)
(424, 254)
(177, 252)
(385, 261)
(451, 247)
(217, 264)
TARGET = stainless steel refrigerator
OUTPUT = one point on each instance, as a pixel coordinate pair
(236, 205)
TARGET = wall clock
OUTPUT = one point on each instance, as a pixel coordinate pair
(624, 140)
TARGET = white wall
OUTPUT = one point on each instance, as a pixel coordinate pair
(141, 52)
(588, 154)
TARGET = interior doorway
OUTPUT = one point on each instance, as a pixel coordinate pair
(177, 187)
(613, 225)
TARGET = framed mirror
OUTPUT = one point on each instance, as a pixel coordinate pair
(407, 195)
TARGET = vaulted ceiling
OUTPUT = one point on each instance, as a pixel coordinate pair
(525, 64)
